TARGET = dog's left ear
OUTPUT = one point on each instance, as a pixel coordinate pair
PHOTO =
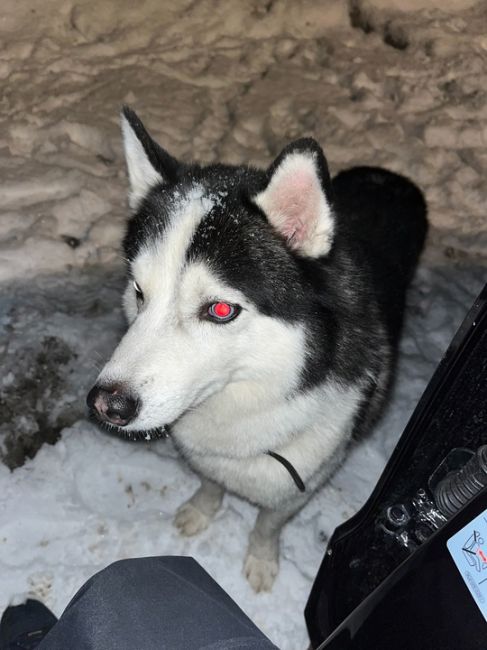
(297, 198)
(148, 164)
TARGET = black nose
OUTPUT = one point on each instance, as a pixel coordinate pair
(113, 404)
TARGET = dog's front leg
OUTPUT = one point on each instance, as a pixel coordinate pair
(262, 559)
(196, 514)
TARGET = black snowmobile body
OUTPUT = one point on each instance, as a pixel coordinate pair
(399, 575)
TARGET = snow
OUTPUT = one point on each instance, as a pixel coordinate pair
(214, 81)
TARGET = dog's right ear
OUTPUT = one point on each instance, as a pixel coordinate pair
(148, 164)
(297, 198)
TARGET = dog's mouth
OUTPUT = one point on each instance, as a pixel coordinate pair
(156, 433)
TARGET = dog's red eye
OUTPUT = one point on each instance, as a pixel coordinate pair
(221, 309)
(222, 312)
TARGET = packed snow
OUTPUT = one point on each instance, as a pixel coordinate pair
(227, 81)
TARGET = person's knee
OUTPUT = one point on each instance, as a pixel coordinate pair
(135, 578)
(119, 567)
(143, 567)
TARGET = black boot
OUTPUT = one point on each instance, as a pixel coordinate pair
(24, 626)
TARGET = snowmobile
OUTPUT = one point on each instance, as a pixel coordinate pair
(409, 570)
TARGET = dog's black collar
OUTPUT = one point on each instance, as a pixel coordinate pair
(294, 475)
(166, 432)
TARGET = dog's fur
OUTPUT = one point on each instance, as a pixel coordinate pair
(319, 268)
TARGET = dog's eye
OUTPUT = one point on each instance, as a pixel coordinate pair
(222, 312)
(138, 293)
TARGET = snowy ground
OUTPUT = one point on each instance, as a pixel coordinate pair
(214, 80)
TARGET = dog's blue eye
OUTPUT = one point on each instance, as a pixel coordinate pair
(138, 292)
(222, 312)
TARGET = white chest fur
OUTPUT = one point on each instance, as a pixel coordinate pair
(227, 437)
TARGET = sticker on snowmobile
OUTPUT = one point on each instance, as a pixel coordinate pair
(468, 548)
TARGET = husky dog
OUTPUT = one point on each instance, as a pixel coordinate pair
(264, 310)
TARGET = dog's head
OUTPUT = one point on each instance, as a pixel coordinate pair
(216, 294)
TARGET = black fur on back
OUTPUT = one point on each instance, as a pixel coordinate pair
(384, 215)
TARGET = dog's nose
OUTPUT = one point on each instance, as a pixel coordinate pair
(113, 404)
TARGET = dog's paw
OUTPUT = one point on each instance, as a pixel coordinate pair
(260, 573)
(190, 521)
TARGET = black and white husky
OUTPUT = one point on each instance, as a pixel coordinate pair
(264, 311)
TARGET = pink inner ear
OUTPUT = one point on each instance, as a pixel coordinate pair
(293, 204)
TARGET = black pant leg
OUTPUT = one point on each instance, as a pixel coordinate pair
(156, 603)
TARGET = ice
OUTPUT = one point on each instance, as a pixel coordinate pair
(231, 82)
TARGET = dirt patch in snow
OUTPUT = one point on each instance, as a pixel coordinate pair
(54, 334)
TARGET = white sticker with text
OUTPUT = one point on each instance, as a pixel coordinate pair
(468, 548)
